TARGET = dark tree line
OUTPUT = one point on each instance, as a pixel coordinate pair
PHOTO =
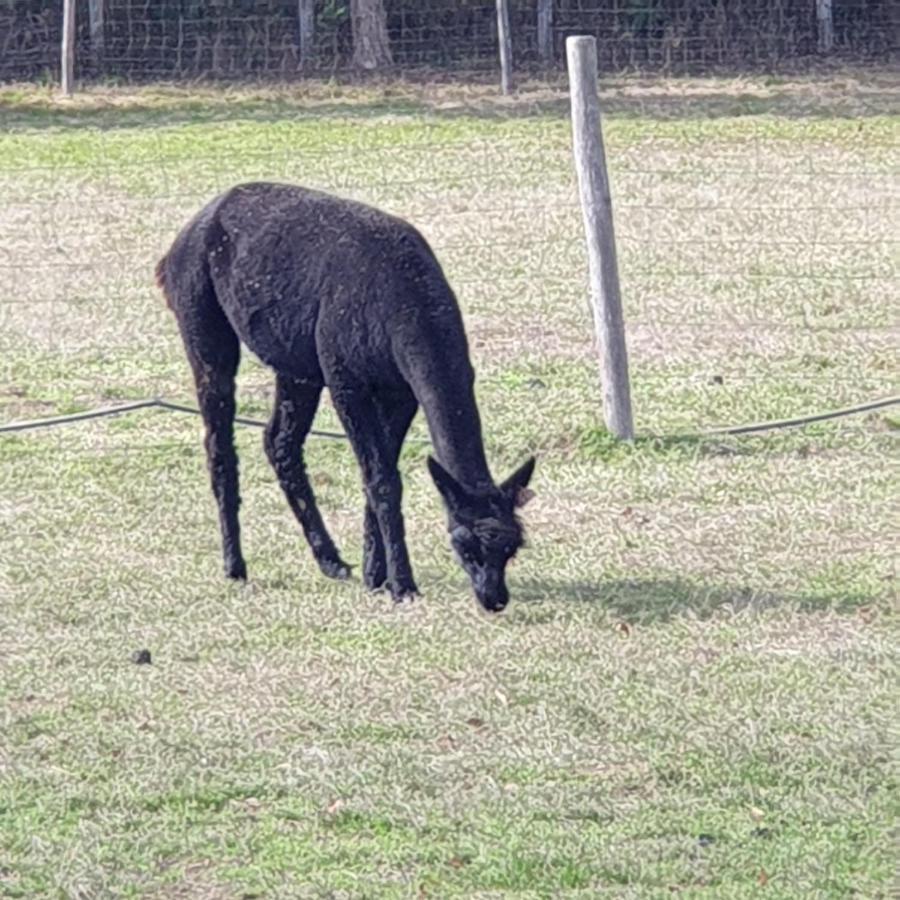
(233, 38)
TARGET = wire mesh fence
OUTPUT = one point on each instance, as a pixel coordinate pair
(758, 259)
(140, 39)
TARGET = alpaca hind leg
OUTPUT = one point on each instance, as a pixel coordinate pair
(214, 353)
(295, 407)
(396, 412)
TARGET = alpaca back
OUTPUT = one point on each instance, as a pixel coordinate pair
(307, 279)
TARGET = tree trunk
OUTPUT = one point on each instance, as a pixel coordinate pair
(545, 31)
(95, 11)
(371, 48)
(306, 17)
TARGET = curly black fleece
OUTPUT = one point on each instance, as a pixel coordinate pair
(328, 292)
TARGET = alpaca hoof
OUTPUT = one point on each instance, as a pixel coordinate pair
(407, 598)
(375, 582)
(335, 568)
(236, 571)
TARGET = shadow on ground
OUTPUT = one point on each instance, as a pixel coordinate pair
(648, 601)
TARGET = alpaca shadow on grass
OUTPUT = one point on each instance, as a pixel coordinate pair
(649, 601)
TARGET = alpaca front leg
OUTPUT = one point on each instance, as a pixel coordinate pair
(384, 496)
(395, 410)
(363, 420)
(374, 561)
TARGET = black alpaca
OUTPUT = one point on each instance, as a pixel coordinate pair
(331, 292)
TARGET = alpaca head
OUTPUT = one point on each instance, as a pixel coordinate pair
(484, 529)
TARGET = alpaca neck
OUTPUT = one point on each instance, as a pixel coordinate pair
(455, 428)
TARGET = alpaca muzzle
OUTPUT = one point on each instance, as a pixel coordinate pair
(490, 589)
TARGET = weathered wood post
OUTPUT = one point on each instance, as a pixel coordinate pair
(825, 20)
(505, 38)
(545, 31)
(596, 205)
(307, 21)
(68, 48)
(96, 13)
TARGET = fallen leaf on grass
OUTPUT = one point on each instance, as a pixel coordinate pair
(252, 805)
(639, 518)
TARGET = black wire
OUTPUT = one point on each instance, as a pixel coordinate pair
(158, 403)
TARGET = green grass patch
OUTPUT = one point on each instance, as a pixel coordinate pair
(693, 690)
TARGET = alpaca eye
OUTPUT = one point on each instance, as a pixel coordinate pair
(470, 555)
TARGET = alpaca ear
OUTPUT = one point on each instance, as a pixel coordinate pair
(523, 496)
(517, 483)
(446, 484)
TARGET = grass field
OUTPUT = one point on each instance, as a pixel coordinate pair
(691, 691)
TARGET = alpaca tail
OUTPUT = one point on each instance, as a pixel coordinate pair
(160, 274)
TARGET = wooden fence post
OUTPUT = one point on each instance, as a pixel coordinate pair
(826, 25)
(505, 38)
(68, 48)
(596, 205)
(307, 21)
(95, 12)
(545, 30)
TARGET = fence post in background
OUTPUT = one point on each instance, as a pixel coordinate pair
(545, 30)
(826, 25)
(505, 37)
(596, 205)
(95, 11)
(68, 47)
(307, 20)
